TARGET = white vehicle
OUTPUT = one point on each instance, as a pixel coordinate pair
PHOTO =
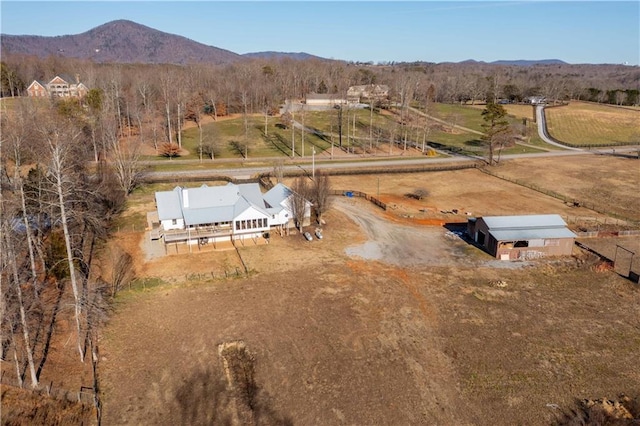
(308, 236)
(319, 234)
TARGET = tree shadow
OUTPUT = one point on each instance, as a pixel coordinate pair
(239, 148)
(205, 398)
(476, 143)
(52, 322)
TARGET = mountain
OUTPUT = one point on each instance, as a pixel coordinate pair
(280, 55)
(119, 41)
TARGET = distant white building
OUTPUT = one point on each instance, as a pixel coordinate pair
(536, 100)
(324, 99)
(222, 213)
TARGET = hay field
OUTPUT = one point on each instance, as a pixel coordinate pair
(581, 123)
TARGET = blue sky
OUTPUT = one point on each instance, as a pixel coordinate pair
(573, 31)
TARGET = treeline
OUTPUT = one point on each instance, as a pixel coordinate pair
(258, 83)
(56, 209)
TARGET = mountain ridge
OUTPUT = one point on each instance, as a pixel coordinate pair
(125, 41)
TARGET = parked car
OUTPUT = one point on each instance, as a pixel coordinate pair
(308, 236)
(319, 234)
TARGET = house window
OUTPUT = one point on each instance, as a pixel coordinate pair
(237, 224)
(174, 221)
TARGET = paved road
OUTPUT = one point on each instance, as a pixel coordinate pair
(542, 130)
(306, 165)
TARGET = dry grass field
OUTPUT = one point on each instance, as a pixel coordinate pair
(385, 321)
(581, 123)
(608, 182)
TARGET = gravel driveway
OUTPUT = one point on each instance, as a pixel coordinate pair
(398, 244)
(412, 246)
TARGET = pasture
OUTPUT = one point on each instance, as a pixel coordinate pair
(586, 124)
(435, 331)
(362, 133)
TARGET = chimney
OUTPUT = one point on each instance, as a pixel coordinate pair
(185, 198)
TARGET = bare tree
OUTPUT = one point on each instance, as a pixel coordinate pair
(320, 190)
(11, 257)
(124, 157)
(298, 200)
(60, 138)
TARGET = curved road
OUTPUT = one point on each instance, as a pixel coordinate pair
(542, 130)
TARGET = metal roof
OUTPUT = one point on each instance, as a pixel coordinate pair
(277, 195)
(524, 222)
(208, 215)
(209, 204)
(168, 204)
(527, 227)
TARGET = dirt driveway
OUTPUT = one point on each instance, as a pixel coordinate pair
(410, 245)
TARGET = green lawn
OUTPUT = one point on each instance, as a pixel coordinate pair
(577, 123)
(462, 115)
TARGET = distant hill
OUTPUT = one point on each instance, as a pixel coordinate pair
(529, 63)
(279, 55)
(518, 62)
(120, 41)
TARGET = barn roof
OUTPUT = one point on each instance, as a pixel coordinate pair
(524, 221)
(527, 227)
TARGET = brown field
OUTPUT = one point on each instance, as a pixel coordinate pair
(608, 182)
(390, 319)
(384, 321)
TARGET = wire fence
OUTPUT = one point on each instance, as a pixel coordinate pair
(85, 395)
(350, 194)
(564, 198)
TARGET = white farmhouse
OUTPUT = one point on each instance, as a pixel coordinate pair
(223, 213)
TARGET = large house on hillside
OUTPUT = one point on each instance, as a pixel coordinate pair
(60, 86)
(368, 91)
(522, 237)
(210, 214)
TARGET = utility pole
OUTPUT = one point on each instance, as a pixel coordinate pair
(293, 135)
(313, 163)
(339, 107)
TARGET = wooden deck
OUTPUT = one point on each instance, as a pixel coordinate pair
(175, 236)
